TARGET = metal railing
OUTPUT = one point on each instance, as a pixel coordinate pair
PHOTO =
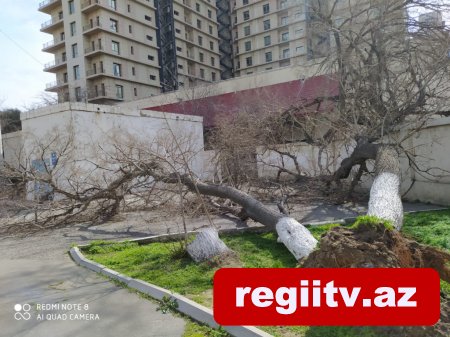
(46, 3)
(52, 43)
(52, 21)
(55, 63)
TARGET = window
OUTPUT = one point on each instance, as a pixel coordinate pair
(115, 47)
(298, 31)
(176, 13)
(244, 2)
(201, 57)
(269, 56)
(286, 53)
(113, 25)
(180, 66)
(285, 37)
(64, 57)
(213, 61)
(62, 36)
(213, 76)
(197, 7)
(248, 45)
(210, 30)
(65, 78)
(71, 7)
(178, 31)
(200, 40)
(117, 69)
(130, 29)
(119, 91)
(299, 49)
(132, 50)
(113, 4)
(211, 45)
(133, 71)
(266, 9)
(298, 15)
(129, 8)
(153, 77)
(73, 28)
(150, 57)
(267, 40)
(209, 14)
(135, 91)
(284, 20)
(78, 96)
(266, 24)
(149, 37)
(76, 72)
(179, 49)
(199, 24)
(74, 50)
(246, 15)
(283, 4)
(202, 73)
(246, 30)
(148, 18)
(249, 61)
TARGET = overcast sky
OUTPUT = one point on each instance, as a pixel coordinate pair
(21, 77)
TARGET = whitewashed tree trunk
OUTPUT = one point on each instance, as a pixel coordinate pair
(296, 237)
(385, 200)
(206, 245)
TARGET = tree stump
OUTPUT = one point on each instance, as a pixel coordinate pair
(385, 200)
(206, 245)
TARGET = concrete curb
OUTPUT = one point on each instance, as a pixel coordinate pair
(185, 305)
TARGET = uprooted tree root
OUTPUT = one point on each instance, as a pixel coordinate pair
(376, 246)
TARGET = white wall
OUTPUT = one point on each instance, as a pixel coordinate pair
(91, 131)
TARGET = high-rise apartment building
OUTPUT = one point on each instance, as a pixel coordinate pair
(108, 51)
(273, 34)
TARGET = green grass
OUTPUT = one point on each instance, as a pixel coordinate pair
(161, 264)
(430, 228)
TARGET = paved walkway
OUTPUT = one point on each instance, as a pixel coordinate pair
(37, 270)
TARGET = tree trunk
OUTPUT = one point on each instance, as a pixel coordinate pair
(385, 200)
(297, 239)
(206, 245)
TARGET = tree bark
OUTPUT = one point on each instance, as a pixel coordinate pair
(297, 239)
(206, 245)
(385, 200)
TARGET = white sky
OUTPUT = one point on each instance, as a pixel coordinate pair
(22, 79)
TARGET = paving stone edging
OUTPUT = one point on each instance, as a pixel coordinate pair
(185, 305)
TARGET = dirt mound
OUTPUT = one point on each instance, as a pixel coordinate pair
(375, 246)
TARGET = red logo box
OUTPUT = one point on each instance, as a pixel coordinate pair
(353, 297)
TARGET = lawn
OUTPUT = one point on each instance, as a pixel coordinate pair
(163, 265)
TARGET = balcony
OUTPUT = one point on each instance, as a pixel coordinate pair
(92, 27)
(93, 50)
(104, 95)
(55, 65)
(53, 45)
(88, 6)
(48, 6)
(91, 73)
(55, 86)
(55, 22)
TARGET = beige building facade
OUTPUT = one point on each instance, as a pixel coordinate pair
(111, 51)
